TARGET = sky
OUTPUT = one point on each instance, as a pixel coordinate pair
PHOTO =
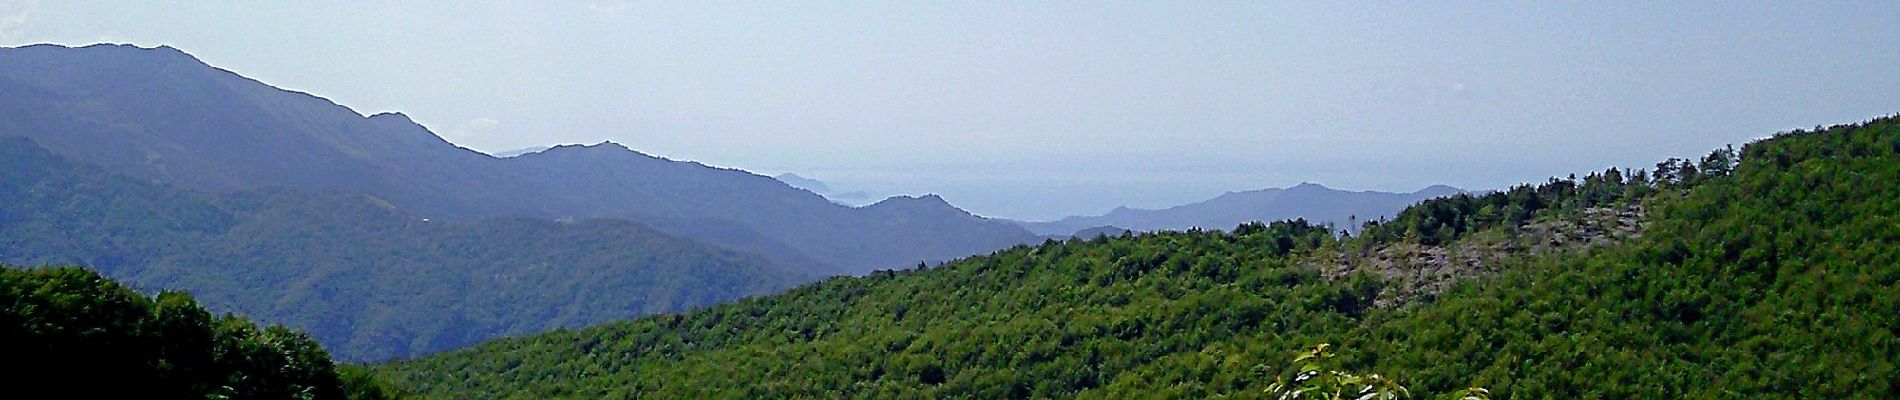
(1038, 110)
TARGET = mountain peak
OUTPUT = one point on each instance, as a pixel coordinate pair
(602, 148)
(930, 198)
(38, 62)
(160, 51)
(609, 144)
(1439, 190)
(928, 204)
(927, 201)
(105, 46)
(164, 49)
(1309, 187)
(393, 118)
(391, 114)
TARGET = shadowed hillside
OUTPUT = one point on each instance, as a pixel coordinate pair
(161, 115)
(363, 276)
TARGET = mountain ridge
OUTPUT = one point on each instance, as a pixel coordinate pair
(156, 115)
(368, 279)
(1311, 201)
(1763, 273)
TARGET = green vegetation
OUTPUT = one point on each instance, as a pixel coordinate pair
(1310, 378)
(1441, 220)
(1769, 272)
(1776, 278)
(369, 280)
(71, 332)
(1028, 322)
(1312, 375)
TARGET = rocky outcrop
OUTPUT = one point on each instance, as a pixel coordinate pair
(1414, 271)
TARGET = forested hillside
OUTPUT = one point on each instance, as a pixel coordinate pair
(368, 279)
(1770, 272)
(70, 333)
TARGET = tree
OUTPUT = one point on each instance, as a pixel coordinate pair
(77, 333)
(1311, 376)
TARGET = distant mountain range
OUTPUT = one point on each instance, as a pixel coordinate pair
(383, 240)
(1775, 278)
(366, 278)
(1310, 201)
(800, 182)
(521, 151)
(161, 115)
(822, 189)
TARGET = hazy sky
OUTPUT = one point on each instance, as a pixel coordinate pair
(1042, 109)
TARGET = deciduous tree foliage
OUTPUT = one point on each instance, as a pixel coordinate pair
(1775, 277)
(71, 333)
(1768, 272)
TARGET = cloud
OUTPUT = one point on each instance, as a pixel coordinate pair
(13, 17)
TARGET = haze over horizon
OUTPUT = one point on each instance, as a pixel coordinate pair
(1038, 111)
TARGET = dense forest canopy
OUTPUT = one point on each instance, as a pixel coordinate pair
(71, 332)
(1764, 272)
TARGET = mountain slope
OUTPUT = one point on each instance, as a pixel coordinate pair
(1308, 201)
(367, 278)
(160, 115)
(682, 196)
(522, 151)
(1772, 278)
(813, 185)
